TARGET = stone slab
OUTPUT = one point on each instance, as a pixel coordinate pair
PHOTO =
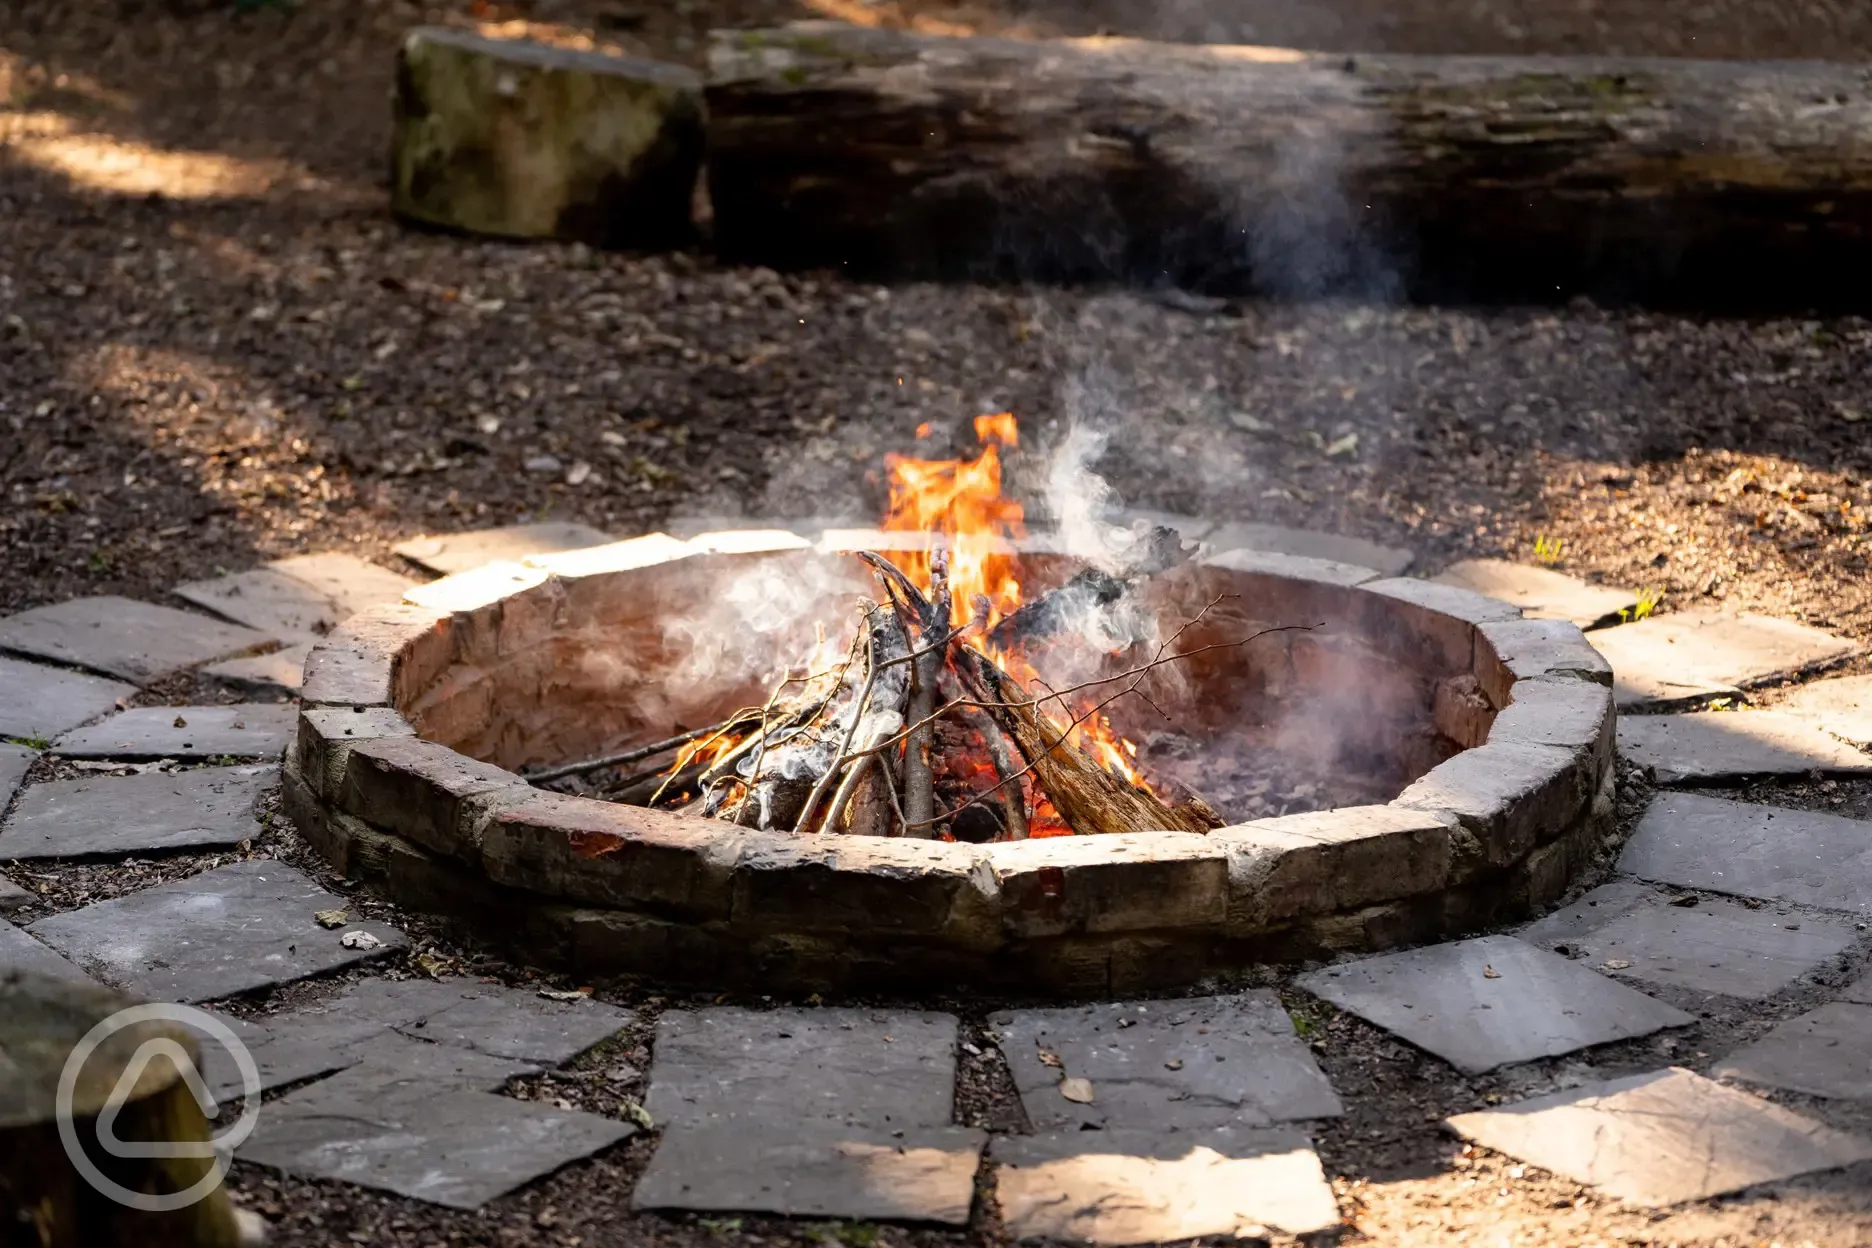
(1489, 1002)
(207, 808)
(1541, 593)
(1694, 654)
(41, 701)
(1825, 1052)
(240, 927)
(1750, 850)
(15, 762)
(386, 1066)
(1387, 560)
(13, 897)
(452, 1148)
(885, 1069)
(1842, 706)
(303, 597)
(1165, 1065)
(20, 952)
(1861, 991)
(280, 1062)
(1272, 564)
(450, 553)
(248, 730)
(1662, 1138)
(137, 641)
(1138, 1187)
(507, 1023)
(1714, 746)
(1717, 946)
(278, 674)
(814, 1169)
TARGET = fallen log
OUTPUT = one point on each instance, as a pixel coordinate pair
(1231, 169)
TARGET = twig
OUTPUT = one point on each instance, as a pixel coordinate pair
(849, 785)
(637, 755)
(804, 822)
(926, 672)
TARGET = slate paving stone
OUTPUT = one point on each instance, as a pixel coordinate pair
(502, 1022)
(388, 1065)
(137, 641)
(41, 701)
(15, 762)
(453, 1148)
(1307, 544)
(1860, 992)
(1717, 947)
(20, 952)
(1661, 1138)
(1693, 654)
(302, 597)
(206, 808)
(14, 898)
(814, 1169)
(449, 553)
(1825, 1052)
(1165, 1065)
(1713, 747)
(1140, 1187)
(279, 1062)
(247, 730)
(239, 927)
(1842, 706)
(280, 673)
(1541, 593)
(885, 1069)
(1749, 850)
(1489, 1002)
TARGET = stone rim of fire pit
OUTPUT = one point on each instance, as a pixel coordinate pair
(1495, 832)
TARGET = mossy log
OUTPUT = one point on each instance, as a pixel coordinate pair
(523, 140)
(1237, 169)
(45, 1202)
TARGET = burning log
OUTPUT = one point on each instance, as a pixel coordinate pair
(1092, 590)
(1238, 168)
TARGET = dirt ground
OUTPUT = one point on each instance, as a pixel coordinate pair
(216, 347)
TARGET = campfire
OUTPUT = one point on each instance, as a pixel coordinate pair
(932, 719)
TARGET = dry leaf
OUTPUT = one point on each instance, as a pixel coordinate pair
(359, 940)
(1616, 964)
(1347, 445)
(565, 994)
(332, 918)
(1076, 1090)
(431, 965)
(180, 722)
(1489, 972)
(633, 1112)
(1175, 1063)
(1049, 1058)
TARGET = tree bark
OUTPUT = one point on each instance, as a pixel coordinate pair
(1233, 169)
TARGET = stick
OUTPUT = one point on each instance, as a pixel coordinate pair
(804, 822)
(636, 755)
(926, 673)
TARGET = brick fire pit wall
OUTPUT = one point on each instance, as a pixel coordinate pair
(413, 716)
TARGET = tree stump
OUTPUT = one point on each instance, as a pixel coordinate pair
(524, 140)
(45, 1202)
(1229, 169)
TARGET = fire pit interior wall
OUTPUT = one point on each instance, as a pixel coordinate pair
(1463, 758)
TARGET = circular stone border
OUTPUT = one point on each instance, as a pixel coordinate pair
(1492, 834)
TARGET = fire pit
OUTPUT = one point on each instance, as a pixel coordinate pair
(952, 752)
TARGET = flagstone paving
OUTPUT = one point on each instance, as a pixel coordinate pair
(1660, 1138)
(1824, 1052)
(1711, 747)
(1134, 1187)
(1483, 1003)
(206, 808)
(1749, 850)
(847, 1112)
(226, 931)
(41, 701)
(13, 897)
(1696, 654)
(449, 553)
(1842, 706)
(1704, 943)
(248, 730)
(1165, 1065)
(1542, 593)
(137, 641)
(278, 674)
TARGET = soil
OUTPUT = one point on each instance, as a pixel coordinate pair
(216, 347)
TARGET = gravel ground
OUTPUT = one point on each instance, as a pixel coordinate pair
(215, 348)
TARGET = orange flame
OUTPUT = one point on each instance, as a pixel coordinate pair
(959, 503)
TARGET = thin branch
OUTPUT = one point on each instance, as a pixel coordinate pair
(638, 754)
